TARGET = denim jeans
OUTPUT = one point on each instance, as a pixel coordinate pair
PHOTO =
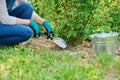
(14, 34)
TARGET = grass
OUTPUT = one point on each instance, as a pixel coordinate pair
(21, 63)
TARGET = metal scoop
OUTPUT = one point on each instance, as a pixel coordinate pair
(58, 41)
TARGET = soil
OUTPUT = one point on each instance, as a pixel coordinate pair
(110, 76)
(43, 43)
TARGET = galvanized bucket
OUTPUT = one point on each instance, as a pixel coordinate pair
(105, 42)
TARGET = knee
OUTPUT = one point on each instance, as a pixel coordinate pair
(27, 34)
(24, 32)
(27, 6)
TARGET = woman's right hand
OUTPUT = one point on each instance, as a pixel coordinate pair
(30, 23)
(35, 28)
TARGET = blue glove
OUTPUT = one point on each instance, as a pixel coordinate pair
(35, 29)
(48, 29)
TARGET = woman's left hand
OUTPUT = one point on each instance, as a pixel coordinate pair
(48, 28)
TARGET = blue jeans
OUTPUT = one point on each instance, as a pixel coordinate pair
(14, 34)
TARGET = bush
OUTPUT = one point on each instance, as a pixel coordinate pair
(76, 20)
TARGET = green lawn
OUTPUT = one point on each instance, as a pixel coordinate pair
(21, 63)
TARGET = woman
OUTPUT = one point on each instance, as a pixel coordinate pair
(14, 22)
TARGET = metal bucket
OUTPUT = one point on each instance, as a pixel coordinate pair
(105, 42)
